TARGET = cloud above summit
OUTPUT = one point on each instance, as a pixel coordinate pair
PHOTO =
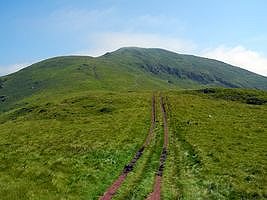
(239, 56)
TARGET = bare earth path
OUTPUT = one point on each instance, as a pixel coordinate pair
(155, 195)
(129, 167)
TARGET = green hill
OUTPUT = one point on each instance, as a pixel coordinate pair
(69, 125)
(130, 68)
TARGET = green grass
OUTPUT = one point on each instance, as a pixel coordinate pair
(127, 69)
(72, 75)
(74, 145)
(70, 124)
(71, 148)
(218, 149)
(139, 183)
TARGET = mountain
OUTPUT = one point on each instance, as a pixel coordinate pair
(129, 68)
(71, 126)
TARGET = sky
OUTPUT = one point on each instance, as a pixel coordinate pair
(231, 31)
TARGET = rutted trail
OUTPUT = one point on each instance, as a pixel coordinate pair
(129, 167)
(155, 195)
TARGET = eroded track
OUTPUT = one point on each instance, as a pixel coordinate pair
(111, 191)
(155, 195)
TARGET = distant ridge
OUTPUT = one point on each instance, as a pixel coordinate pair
(128, 68)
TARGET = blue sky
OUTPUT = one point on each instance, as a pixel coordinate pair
(231, 31)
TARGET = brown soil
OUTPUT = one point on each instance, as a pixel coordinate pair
(155, 195)
(129, 167)
(113, 188)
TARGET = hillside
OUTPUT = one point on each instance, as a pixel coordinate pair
(74, 147)
(190, 70)
(72, 126)
(127, 69)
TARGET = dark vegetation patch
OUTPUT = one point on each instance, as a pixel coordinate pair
(105, 110)
(200, 77)
(254, 97)
(209, 90)
(68, 109)
(95, 73)
(83, 66)
(225, 83)
(88, 104)
(3, 98)
(2, 81)
(23, 111)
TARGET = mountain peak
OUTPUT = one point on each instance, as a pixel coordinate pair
(141, 49)
(128, 68)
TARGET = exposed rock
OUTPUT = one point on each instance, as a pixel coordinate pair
(3, 98)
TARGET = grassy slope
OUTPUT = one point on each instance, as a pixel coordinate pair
(73, 147)
(125, 69)
(65, 75)
(188, 70)
(218, 148)
(70, 148)
(71, 123)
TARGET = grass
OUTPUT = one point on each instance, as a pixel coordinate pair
(70, 124)
(218, 148)
(127, 69)
(71, 148)
(139, 183)
(74, 145)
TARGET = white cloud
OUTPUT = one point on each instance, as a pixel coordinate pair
(4, 70)
(111, 41)
(239, 56)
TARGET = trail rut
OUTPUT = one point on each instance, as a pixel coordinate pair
(155, 195)
(111, 191)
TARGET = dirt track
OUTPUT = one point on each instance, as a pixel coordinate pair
(155, 195)
(129, 167)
